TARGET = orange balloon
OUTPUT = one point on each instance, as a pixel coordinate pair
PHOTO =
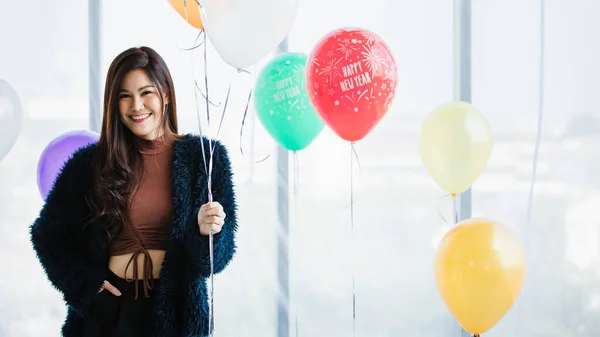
(479, 272)
(192, 9)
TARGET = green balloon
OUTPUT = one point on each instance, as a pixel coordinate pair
(282, 103)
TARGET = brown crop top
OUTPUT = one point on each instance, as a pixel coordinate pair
(150, 210)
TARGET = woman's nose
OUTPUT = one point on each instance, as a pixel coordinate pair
(138, 104)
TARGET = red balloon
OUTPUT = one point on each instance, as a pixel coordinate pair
(351, 81)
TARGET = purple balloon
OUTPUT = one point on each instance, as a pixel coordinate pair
(56, 154)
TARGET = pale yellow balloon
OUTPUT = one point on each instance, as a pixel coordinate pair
(479, 272)
(455, 145)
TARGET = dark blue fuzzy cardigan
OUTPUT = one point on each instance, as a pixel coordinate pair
(75, 259)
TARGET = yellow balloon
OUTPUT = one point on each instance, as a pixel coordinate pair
(455, 145)
(479, 272)
(189, 11)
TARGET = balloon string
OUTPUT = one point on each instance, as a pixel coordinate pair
(541, 83)
(212, 147)
(203, 43)
(456, 205)
(295, 217)
(440, 213)
(208, 170)
(356, 156)
(199, 119)
(210, 239)
(196, 44)
(223, 113)
(352, 152)
(208, 166)
(211, 313)
(296, 173)
(244, 122)
(206, 81)
(204, 96)
(185, 10)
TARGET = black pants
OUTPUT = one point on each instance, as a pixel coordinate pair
(120, 316)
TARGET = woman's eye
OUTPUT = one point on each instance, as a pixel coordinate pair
(122, 96)
(146, 93)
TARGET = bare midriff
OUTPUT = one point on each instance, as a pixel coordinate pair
(118, 264)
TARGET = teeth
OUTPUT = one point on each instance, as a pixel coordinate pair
(140, 117)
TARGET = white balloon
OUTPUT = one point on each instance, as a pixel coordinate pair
(11, 115)
(245, 31)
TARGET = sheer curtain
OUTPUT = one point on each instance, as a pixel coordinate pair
(396, 222)
(397, 206)
(43, 56)
(562, 235)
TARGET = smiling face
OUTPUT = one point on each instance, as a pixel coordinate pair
(140, 105)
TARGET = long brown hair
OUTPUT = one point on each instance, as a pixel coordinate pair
(117, 170)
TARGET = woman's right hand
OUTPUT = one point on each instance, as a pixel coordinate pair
(211, 217)
(106, 286)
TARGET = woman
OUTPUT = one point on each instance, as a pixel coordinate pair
(124, 232)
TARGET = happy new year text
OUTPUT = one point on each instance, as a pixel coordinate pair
(285, 89)
(354, 77)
